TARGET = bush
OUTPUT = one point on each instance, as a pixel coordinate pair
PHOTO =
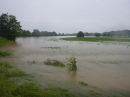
(72, 63)
(54, 63)
(80, 34)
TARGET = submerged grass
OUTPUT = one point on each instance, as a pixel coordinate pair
(9, 88)
(54, 63)
(96, 39)
(83, 83)
(52, 47)
(4, 54)
(4, 42)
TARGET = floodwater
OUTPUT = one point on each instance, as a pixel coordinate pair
(100, 64)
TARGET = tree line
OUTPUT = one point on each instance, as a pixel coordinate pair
(10, 28)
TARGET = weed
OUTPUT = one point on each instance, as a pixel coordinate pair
(5, 64)
(15, 73)
(5, 72)
(93, 93)
(4, 54)
(33, 62)
(72, 63)
(54, 63)
(83, 83)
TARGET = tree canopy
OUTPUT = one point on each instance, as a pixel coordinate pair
(97, 34)
(9, 26)
(80, 34)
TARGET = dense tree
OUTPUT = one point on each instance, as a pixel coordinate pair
(97, 34)
(9, 26)
(80, 34)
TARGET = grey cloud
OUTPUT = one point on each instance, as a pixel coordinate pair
(69, 16)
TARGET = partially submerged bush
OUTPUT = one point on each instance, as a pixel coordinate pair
(54, 63)
(72, 63)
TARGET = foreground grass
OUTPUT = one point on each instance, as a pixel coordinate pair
(4, 42)
(4, 54)
(9, 88)
(96, 39)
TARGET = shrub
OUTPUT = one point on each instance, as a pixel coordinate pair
(72, 63)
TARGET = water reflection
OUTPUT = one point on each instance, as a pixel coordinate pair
(72, 74)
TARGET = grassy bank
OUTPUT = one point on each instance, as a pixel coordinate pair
(4, 42)
(96, 39)
(9, 88)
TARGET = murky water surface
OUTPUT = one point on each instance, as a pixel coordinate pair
(100, 64)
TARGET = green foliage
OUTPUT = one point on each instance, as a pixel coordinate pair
(3, 54)
(54, 63)
(96, 39)
(97, 34)
(80, 34)
(72, 63)
(83, 83)
(9, 26)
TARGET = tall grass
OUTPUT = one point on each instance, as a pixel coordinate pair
(9, 88)
(4, 42)
(4, 54)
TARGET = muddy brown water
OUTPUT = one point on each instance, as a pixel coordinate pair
(101, 64)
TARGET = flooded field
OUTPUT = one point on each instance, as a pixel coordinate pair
(103, 65)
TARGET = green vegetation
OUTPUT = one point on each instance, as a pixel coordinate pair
(96, 39)
(10, 88)
(34, 62)
(52, 47)
(93, 93)
(4, 54)
(9, 26)
(97, 34)
(54, 63)
(72, 63)
(83, 83)
(80, 34)
(5, 72)
(4, 42)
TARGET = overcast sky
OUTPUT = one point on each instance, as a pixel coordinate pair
(69, 16)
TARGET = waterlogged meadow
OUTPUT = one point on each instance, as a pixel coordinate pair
(102, 68)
